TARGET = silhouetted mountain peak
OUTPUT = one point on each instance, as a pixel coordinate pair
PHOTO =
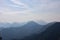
(32, 22)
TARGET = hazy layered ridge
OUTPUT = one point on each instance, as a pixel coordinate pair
(18, 25)
(20, 32)
(21, 19)
(31, 31)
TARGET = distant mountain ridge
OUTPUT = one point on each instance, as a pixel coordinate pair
(33, 31)
(20, 32)
(18, 24)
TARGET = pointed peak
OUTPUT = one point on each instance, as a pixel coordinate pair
(32, 22)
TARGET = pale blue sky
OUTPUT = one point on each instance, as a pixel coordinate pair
(26, 10)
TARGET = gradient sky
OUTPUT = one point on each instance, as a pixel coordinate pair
(26, 10)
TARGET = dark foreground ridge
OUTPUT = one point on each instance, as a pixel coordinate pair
(52, 32)
(0, 38)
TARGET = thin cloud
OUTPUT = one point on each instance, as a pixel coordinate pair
(19, 3)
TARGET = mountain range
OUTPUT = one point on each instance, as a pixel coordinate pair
(14, 24)
(20, 32)
(32, 31)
